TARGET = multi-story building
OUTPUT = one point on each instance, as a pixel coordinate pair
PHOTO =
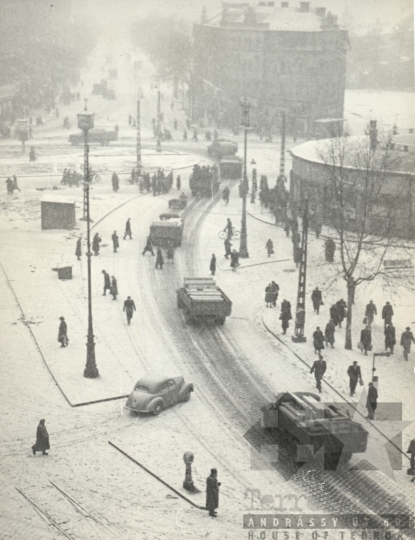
(284, 57)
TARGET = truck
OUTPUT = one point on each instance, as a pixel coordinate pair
(97, 135)
(204, 181)
(230, 168)
(221, 148)
(308, 423)
(167, 231)
(201, 300)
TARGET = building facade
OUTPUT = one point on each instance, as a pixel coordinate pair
(290, 58)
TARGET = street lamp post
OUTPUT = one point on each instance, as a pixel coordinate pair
(158, 147)
(22, 132)
(86, 122)
(138, 134)
(243, 246)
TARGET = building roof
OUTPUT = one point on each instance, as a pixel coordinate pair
(400, 162)
(59, 200)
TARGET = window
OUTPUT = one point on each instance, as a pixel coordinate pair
(164, 388)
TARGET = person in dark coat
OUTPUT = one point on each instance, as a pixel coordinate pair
(212, 492)
(411, 450)
(407, 338)
(387, 313)
(285, 315)
(329, 332)
(63, 332)
(318, 227)
(268, 295)
(42, 439)
(115, 241)
(334, 314)
(212, 266)
(228, 246)
(115, 182)
(317, 299)
(269, 247)
(234, 260)
(390, 337)
(372, 401)
(370, 312)
(159, 259)
(225, 195)
(228, 229)
(170, 252)
(178, 182)
(355, 375)
(318, 340)
(298, 253)
(128, 229)
(114, 288)
(95, 243)
(148, 246)
(107, 282)
(275, 290)
(319, 368)
(129, 308)
(366, 339)
(287, 227)
(78, 249)
(341, 311)
(329, 249)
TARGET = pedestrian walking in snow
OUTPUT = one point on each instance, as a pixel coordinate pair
(78, 249)
(115, 182)
(334, 314)
(318, 340)
(341, 311)
(212, 266)
(317, 229)
(170, 253)
(390, 337)
(42, 439)
(159, 259)
(225, 195)
(129, 308)
(114, 288)
(228, 246)
(296, 238)
(298, 253)
(63, 332)
(148, 246)
(370, 312)
(406, 339)
(287, 227)
(9, 186)
(115, 241)
(269, 247)
(366, 340)
(95, 243)
(387, 313)
(234, 260)
(212, 492)
(355, 375)
(275, 290)
(329, 333)
(128, 229)
(268, 295)
(15, 186)
(178, 182)
(329, 249)
(285, 315)
(317, 299)
(107, 282)
(319, 368)
(228, 228)
(372, 401)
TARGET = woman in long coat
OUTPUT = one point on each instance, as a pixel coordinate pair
(95, 243)
(268, 295)
(78, 249)
(285, 315)
(366, 339)
(390, 337)
(329, 332)
(318, 340)
(42, 439)
(212, 492)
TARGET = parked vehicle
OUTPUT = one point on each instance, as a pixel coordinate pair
(167, 230)
(178, 203)
(221, 148)
(230, 167)
(97, 135)
(202, 300)
(204, 181)
(304, 420)
(153, 394)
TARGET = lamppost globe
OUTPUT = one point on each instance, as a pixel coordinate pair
(85, 120)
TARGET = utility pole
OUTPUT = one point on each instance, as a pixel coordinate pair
(282, 154)
(243, 246)
(138, 136)
(300, 311)
(158, 148)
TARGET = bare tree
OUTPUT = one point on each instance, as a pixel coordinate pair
(365, 206)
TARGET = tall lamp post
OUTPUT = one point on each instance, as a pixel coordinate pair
(243, 246)
(139, 132)
(22, 132)
(86, 122)
(158, 147)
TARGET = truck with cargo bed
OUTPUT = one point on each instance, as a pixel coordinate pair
(312, 425)
(203, 301)
(167, 231)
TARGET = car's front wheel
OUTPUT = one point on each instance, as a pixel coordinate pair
(187, 395)
(158, 409)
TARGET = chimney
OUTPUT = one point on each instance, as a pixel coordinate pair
(321, 11)
(284, 4)
(304, 7)
(373, 134)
